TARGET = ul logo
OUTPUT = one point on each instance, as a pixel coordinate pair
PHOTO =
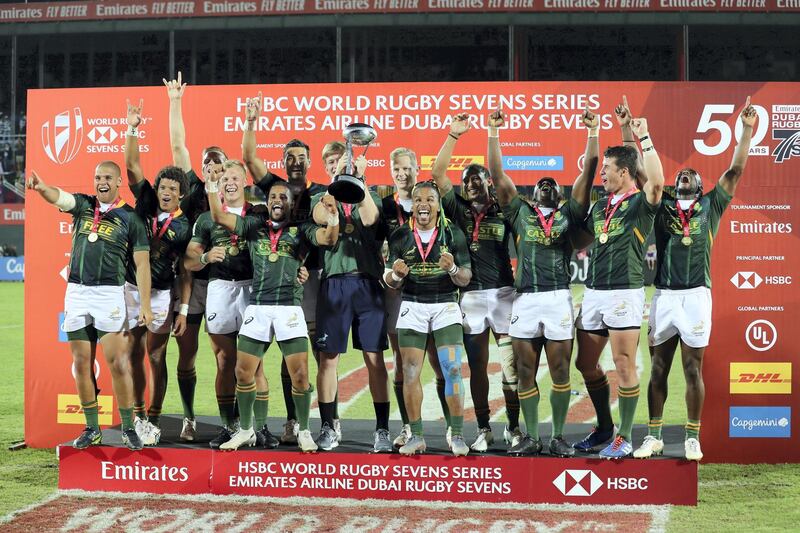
(761, 335)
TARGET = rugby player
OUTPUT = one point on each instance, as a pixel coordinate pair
(396, 211)
(169, 232)
(430, 262)
(685, 227)
(277, 249)
(351, 296)
(613, 301)
(542, 314)
(486, 301)
(107, 234)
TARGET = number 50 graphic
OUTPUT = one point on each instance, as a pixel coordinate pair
(707, 123)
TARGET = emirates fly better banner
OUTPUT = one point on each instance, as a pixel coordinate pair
(752, 364)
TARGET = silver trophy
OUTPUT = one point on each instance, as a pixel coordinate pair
(348, 187)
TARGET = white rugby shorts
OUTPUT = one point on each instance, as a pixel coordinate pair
(225, 305)
(102, 306)
(686, 313)
(615, 309)
(160, 304)
(279, 322)
(487, 308)
(543, 314)
(426, 318)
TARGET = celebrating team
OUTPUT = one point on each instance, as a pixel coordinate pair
(306, 266)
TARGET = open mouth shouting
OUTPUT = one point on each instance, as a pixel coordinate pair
(277, 211)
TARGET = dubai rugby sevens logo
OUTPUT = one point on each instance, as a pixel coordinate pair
(62, 137)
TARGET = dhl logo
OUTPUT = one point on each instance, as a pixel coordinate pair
(457, 162)
(70, 411)
(761, 378)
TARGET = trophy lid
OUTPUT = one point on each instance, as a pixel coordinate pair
(360, 134)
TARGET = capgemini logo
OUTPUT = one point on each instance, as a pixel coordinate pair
(62, 141)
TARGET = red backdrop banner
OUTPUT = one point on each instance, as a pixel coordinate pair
(751, 364)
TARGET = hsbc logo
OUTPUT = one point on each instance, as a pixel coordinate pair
(761, 335)
(751, 280)
(62, 136)
(103, 135)
(577, 482)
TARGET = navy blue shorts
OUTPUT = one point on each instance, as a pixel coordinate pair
(350, 300)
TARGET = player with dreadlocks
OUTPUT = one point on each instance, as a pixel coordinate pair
(430, 261)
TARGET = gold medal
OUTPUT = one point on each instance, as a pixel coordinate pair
(233, 250)
(92, 237)
(686, 241)
(547, 241)
(475, 246)
(273, 257)
(603, 238)
(349, 228)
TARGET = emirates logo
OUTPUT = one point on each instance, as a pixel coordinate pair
(62, 137)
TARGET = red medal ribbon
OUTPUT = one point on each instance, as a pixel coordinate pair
(348, 210)
(685, 216)
(233, 236)
(547, 225)
(478, 218)
(400, 218)
(274, 237)
(426, 252)
(615, 207)
(98, 217)
(157, 234)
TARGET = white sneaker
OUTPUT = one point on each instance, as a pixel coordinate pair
(306, 441)
(512, 438)
(140, 426)
(337, 427)
(415, 445)
(458, 446)
(189, 431)
(449, 436)
(242, 437)
(290, 430)
(483, 440)
(692, 449)
(651, 446)
(401, 439)
(151, 435)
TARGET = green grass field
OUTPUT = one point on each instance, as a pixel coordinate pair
(754, 498)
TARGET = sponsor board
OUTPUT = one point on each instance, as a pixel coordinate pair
(533, 162)
(761, 378)
(12, 214)
(457, 162)
(71, 412)
(763, 422)
(761, 335)
(752, 280)
(12, 268)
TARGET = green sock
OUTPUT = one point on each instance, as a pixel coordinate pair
(440, 385)
(187, 381)
(401, 401)
(246, 396)
(654, 427)
(90, 412)
(529, 404)
(260, 409)
(227, 409)
(416, 427)
(302, 406)
(126, 416)
(457, 425)
(138, 411)
(559, 403)
(628, 398)
(692, 429)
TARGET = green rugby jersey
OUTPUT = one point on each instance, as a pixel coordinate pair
(681, 266)
(393, 215)
(619, 263)
(193, 204)
(120, 232)
(355, 252)
(491, 264)
(233, 267)
(166, 251)
(301, 212)
(275, 282)
(426, 282)
(543, 265)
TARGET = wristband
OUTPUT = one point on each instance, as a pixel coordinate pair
(647, 144)
(496, 133)
(204, 259)
(644, 138)
(453, 270)
(648, 149)
(212, 186)
(131, 131)
(184, 309)
(396, 278)
(453, 136)
(333, 219)
(593, 132)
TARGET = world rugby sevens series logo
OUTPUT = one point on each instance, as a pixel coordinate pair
(62, 140)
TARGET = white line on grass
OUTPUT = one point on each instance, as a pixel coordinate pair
(13, 514)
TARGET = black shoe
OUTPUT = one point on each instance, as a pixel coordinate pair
(265, 439)
(527, 446)
(131, 439)
(560, 448)
(90, 437)
(223, 437)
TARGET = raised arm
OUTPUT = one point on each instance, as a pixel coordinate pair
(623, 113)
(458, 127)
(504, 188)
(652, 163)
(730, 178)
(254, 163)
(328, 235)
(53, 195)
(218, 214)
(132, 162)
(367, 209)
(582, 188)
(177, 131)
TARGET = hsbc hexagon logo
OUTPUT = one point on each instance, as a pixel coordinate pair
(577, 482)
(62, 136)
(103, 135)
(746, 280)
